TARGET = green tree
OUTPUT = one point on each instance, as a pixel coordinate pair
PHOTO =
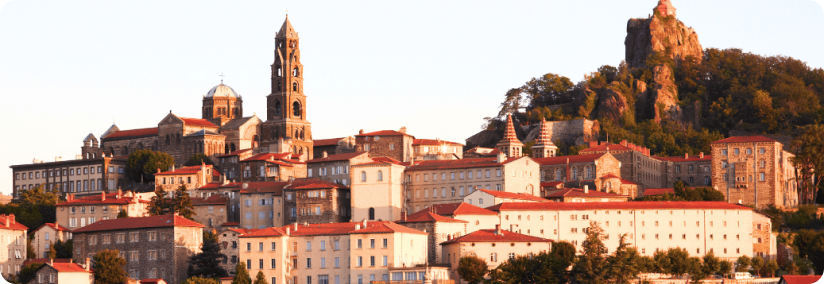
(695, 269)
(564, 254)
(52, 251)
(679, 261)
(623, 264)
(30, 249)
(198, 159)
(122, 214)
(472, 269)
(520, 269)
(757, 263)
(200, 280)
(770, 267)
(206, 264)
(809, 162)
(661, 262)
(260, 279)
(39, 196)
(143, 164)
(242, 275)
(27, 272)
(590, 266)
(64, 249)
(109, 268)
(551, 267)
(743, 264)
(159, 204)
(711, 264)
(725, 267)
(182, 203)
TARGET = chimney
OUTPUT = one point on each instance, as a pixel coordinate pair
(357, 227)
(686, 156)
(624, 142)
(365, 222)
(287, 230)
(325, 154)
(87, 266)
(51, 261)
(11, 216)
(498, 229)
(586, 189)
(103, 196)
(567, 169)
(360, 132)
(701, 155)
(501, 157)
(403, 216)
(172, 169)
(403, 130)
(296, 226)
(119, 193)
(56, 225)
(449, 237)
(158, 170)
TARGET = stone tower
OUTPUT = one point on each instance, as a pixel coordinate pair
(286, 104)
(222, 104)
(543, 146)
(510, 145)
(665, 8)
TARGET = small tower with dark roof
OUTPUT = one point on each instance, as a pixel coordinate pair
(510, 145)
(544, 147)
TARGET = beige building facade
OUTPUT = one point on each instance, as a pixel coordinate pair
(78, 212)
(46, 236)
(211, 212)
(377, 190)
(81, 176)
(335, 168)
(12, 245)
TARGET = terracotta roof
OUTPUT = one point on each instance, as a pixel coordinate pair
(461, 208)
(183, 171)
(337, 157)
(275, 187)
(639, 205)
(346, 228)
(266, 232)
(229, 224)
(619, 178)
(385, 133)
(211, 185)
(688, 159)
(459, 164)
(242, 230)
(744, 139)
(387, 160)
(509, 133)
(68, 267)
(310, 183)
(45, 260)
(132, 133)
(800, 279)
(326, 142)
(151, 281)
(197, 122)
(551, 184)
(139, 222)
(427, 216)
(658, 191)
(54, 226)
(512, 195)
(492, 151)
(433, 142)
(386, 227)
(577, 192)
(97, 199)
(488, 236)
(216, 199)
(603, 148)
(273, 158)
(235, 153)
(574, 159)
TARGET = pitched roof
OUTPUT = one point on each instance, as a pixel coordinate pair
(427, 216)
(687, 159)
(132, 133)
(577, 192)
(310, 183)
(45, 260)
(639, 205)
(237, 122)
(337, 157)
(197, 122)
(602, 148)
(386, 227)
(216, 199)
(235, 153)
(744, 139)
(459, 164)
(54, 226)
(483, 151)
(242, 230)
(460, 208)
(273, 158)
(184, 171)
(97, 199)
(372, 227)
(574, 159)
(509, 133)
(229, 224)
(551, 184)
(512, 195)
(488, 235)
(275, 187)
(385, 133)
(658, 191)
(67, 267)
(139, 222)
(326, 142)
(800, 279)
(433, 142)
(385, 160)
(265, 232)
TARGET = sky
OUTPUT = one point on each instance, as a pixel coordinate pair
(70, 68)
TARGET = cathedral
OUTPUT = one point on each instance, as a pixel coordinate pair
(222, 128)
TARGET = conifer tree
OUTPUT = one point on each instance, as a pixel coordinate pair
(590, 266)
(52, 251)
(260, 279)
(622, 266)
(206, 264)
(242, 276)
(109, 268)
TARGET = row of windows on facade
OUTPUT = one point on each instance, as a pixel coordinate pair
(724, 164)
(748, 151)
(359, 262)
(261, 215)
(66, 172)
(336, 170)
(179, 180)
(761, 178)
(460, 175)
(452, 191)
(560, 174)
(312, 194)
(296, 108)
(119, 238)
(574, 217)
(220, 111)
(69, 186)
(691, 180)
(426, 149)
(150, 273)
(104, 209)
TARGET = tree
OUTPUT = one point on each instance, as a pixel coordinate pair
(30, 254)
(711, 264)
(809, 162)
(159, 204)
(564, 254)
(743, 264)
(122, 214)
(64, 249)
(207, 263)
(242, 276)
(770, 267)
(28, 272)
(589, 266)
(519, 269)
(756, 263)
(260, 278)
(198, 159)
(725, 267)
(52, 251)
(623, 264)
(200, 280)
(679, 261)
(695, 269)
(39, 196)
(109, 268)
(472, 269)
(143, 164)
(182, 203)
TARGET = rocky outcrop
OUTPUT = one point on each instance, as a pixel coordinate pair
(661, 32)
(611, 103)
(665, 95)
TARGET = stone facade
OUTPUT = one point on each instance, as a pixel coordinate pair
(315, 201)
(333, 146)
(386, 143)
(272, 167)
(575, 131)
(230, 163)
(211, 211)
(637, 165)
(81, 177)
(229, 245)
(192, 178)
(153, 247)
(754, 170)
(693, 170)
(763, 239)
(12, 247)
(335, 168)
(578, 168)
(510, 145)
(56, 273)
(222, 104)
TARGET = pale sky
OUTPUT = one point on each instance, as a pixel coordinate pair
(68, 68)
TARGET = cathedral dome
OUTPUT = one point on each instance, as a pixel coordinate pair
(222, 91)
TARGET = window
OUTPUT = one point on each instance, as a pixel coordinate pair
(380, 176)
(337, 262)
(363, 176)
(308, 262)
(736, 151)
(360, 261)
(493, 257)
(360, 244)
(371, 243)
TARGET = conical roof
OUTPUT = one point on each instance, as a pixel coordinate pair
(286, 30)
(509, 134)
(544, 134)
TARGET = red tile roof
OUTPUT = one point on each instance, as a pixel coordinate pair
(386, 227)
(623, 181)
(337, 157)
(216, 199)
(235, 153)
(574, 159)
(385, 133)
(461, 208)
(97, 199)
(242, 230)
(553, 184)
(184, 171)
(132, 133)
(197, 122)
(603, 148)
(387, 160)
(230, 224)
(275, 187)
(744, 139)
(639, 205)
(139, 222)
(433, 142)
(459, 164)
(427, 216)
(372, 227)
(492, 151)
(276, 158)
(266, 232)
(54, 226)
(512, 195)
(577, 192)
(211, 185)
(68, 267)
(688, 159)
(152, 281)
(488, 236)
(46, 260)
(658, 191)
(800, 279)
(326, 142)
(310, 183)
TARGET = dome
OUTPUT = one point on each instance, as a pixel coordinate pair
(221, 91)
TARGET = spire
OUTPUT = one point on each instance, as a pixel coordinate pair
(510, 145)
(543, 143)
(509, 135)
(286, 30)
(544, 134)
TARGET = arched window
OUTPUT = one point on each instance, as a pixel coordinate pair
(125, 150)
(178, 139)
(362, 176)
(94, 155)
(226, 150)
(232, 148)
(296, 109)
(167, 140)
(296, 72)
(278, 108)
(295, 86)
(371, 213)
(380, 176)
(279, 71)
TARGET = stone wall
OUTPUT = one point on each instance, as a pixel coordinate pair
(398, 147)
(573, 132)
(334, 206)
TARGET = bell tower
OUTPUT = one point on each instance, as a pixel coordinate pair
(286, 104)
